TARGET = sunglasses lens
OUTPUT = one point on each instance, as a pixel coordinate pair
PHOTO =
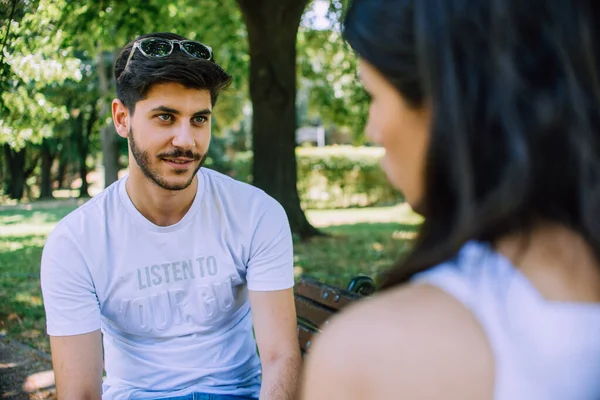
(197, 50)
(156, 47)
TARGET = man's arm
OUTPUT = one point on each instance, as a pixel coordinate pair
(77, 362)
(274, 318)
(72, 316)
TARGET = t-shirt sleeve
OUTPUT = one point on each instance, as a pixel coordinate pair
(70, 300)
(271, 258)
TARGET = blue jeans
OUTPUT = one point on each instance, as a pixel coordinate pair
(208, 396)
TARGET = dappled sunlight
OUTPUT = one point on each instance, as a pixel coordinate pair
(27, 229)
(377, 246)
(41, 217)
(404, 235)
(31, 216)
(31, 334)
(28, 298)
(400, 213)
(25, 242)
(66, 193)
(24, 372)
(39, 381)
(29, 222)
(12, 219)
(6, 246)
(298, 271)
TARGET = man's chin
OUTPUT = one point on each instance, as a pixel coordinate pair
(175, 187)
(174, 182)
(179, 183)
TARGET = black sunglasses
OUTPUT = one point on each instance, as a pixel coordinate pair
(160, 48)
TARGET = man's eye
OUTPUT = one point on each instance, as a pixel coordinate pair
(199, 119)
(165, 117)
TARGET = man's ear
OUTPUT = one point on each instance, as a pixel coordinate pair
(120, 114)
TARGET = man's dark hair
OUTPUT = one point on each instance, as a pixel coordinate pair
(143, 72)
(514, 91)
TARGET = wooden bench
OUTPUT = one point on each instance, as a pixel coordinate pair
(316, 302)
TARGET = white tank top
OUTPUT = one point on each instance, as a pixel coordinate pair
(543, 350)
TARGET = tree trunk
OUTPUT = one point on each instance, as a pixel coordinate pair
(84, 149)
(29, 172)
(108, 134)
(63, 164)
(110, 154)
(47, 159)
(82, 153)
(16, 168)
(272, 27)
(83, 171)
(4, 174)
(7, 184)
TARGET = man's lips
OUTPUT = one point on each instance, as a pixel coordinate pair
(179, 162)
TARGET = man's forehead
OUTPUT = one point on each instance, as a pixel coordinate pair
(177, 98)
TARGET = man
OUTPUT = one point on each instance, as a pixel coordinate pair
(174, 264)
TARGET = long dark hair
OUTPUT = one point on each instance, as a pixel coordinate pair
(514, 91)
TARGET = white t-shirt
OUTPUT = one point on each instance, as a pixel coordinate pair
(546, 350)
(172, 302)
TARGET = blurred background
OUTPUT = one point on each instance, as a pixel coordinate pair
(291, 123)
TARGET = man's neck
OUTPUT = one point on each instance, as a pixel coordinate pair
(160, 206)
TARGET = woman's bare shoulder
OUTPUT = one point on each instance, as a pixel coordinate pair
(415, 341)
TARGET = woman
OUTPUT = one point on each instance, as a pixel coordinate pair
(489, 112)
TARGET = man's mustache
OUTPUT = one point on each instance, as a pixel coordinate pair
(178, 153)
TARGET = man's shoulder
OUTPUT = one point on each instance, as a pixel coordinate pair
(226, 182)
(240, 193)
(87, 215)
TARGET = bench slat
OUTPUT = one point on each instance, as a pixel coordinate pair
(305, 334)
(316, 302)
(324, 294)
(311, 311)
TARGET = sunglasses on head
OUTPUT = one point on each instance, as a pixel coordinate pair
(160, 48)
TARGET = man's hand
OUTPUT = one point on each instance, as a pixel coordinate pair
(77, 362)
(274, 318)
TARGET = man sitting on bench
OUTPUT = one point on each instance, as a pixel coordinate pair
(169, 261)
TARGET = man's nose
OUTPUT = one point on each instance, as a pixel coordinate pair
(183, 137)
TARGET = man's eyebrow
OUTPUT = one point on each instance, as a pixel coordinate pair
(206, 111)
(165, 109)
(170, 110)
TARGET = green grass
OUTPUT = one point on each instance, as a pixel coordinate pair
(22, 236)
(350, 250)
(359, 241)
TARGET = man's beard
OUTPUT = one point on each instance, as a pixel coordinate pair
(143, 160)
